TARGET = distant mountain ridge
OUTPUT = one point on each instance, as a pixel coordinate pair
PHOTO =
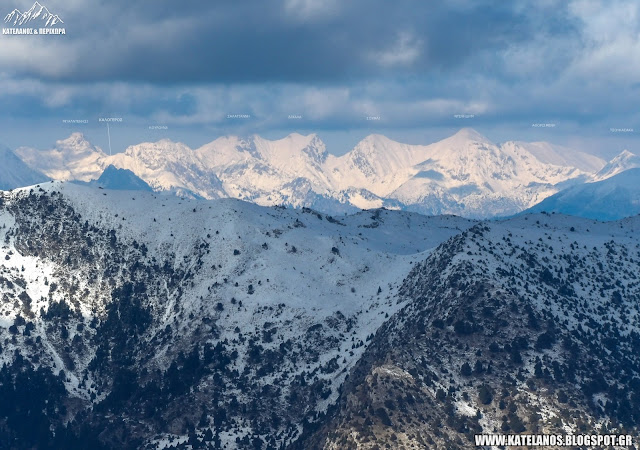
(610, 199)
(14, 173)
(465, 174)
(624, 161)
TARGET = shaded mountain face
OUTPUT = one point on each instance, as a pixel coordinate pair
(526, 326)
(14, 173)
(121, 179)
(465, 174)
(151, 321)
(611, 199)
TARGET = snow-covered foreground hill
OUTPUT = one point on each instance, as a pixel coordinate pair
(243, 312)
(527, 326)
(139, 320)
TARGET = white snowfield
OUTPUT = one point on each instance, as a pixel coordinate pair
(465, 174)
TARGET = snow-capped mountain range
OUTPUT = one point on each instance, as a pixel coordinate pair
(36, 12)
(465, 174)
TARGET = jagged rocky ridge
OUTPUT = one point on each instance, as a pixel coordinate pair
(133, 320)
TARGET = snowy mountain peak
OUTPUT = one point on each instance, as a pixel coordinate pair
(376, 165)
(316, 150)
(376, 138)
(468, 152)
(291, 151)
(467, 146)
(556, 155)
(157, 153)
(469, 134)
(375, 141)
(163, 143)
(73, 158)
(293, 140)
(77, 143)
(624, 161)
(301, 138)
(374, 146)
(625, 154)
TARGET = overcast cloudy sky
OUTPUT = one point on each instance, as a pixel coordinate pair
(414, 64)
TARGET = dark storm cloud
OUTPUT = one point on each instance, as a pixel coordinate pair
(282, 41)
(415, 64)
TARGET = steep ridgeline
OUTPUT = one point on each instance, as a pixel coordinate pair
(531, 325)
(137, 320)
